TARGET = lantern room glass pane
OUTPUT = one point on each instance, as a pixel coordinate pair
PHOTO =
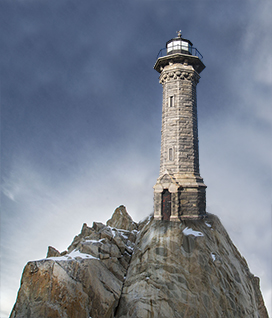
(185, 46)
(179, 45)
(169, 47)
(176, 45)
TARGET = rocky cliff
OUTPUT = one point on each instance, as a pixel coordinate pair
(151, 269)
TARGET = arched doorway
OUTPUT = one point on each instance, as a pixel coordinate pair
(166, 205)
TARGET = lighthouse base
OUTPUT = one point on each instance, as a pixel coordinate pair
(175, 201)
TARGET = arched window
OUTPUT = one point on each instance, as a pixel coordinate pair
(166, 205)
(171, 101)
(171, 154)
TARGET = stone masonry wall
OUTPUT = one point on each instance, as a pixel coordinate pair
(179, 121)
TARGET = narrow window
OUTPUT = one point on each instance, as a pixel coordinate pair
(166, 205)
(171, 101)
(171, 154)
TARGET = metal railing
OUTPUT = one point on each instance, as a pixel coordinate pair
(193, 51)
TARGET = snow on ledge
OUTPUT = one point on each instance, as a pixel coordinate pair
(75, 254)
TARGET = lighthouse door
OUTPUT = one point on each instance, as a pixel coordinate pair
(166, 205)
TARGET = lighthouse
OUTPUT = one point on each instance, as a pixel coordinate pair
(180, 192)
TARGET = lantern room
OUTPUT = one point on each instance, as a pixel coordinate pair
(179, 45)
(179, 50)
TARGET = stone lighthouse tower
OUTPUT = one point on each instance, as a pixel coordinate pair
(179, 192)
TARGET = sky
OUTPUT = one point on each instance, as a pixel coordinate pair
(81, 120)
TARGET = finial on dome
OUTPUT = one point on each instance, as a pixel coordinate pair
(179, 33)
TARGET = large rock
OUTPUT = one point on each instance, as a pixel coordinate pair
(189, 269)
(85, 281)
(122, 220)
(168, 269)
(67, 288)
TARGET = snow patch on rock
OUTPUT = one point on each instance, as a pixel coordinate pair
(188, 231)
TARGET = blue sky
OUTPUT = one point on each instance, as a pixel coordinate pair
(81, 120)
